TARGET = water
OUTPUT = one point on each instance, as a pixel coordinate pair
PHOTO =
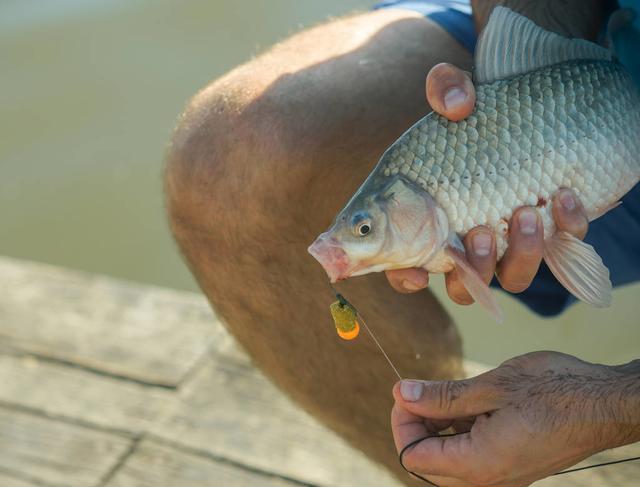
(90, 92)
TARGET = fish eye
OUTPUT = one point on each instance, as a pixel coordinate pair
(361, 224)
(363, 228)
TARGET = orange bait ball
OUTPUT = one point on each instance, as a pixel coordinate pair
(349, 335)
(344, 316)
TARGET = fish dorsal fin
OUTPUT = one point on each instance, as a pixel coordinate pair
(511, 44)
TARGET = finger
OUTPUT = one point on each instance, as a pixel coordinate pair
(450, 91)
(480, 249)
(455, 399)
(408, 280)
(445, 456)
(569, 214)
(407, 428)
(520, 263)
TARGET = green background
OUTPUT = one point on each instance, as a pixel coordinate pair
(90, 92)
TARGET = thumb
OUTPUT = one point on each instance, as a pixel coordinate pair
(450, 92)
(447, 399)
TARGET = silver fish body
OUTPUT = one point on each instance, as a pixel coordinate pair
(573, 125)
(550, 113)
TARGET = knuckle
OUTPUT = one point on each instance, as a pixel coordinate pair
(447, 393)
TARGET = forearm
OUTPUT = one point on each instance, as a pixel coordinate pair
(624, 400)
(571, 18)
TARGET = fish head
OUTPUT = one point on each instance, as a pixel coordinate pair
(392, 226)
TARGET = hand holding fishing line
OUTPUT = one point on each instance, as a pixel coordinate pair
(531, 417)
(534, 415)
(423, 206)
(451, 93)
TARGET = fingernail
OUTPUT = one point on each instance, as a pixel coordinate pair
(567, 200)
(481, 242)
(411, 390)
(411, 286)
(528, 220)
(454, 98)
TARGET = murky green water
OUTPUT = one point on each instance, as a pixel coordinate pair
(90, 90)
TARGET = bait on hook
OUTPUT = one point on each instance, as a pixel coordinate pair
(348, 320)
(345, 317)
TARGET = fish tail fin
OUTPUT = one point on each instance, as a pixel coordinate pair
(478, 289)
(578, 268)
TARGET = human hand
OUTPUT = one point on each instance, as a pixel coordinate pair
(451, 93)
(533, 416)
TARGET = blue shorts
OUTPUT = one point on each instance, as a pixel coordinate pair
(615, 236)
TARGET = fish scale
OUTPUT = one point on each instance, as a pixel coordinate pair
(550, 112)
(575, 124)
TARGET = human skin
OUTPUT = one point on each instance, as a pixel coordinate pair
(519, 265)
(260, 162)
(451, 93)
(532, 416)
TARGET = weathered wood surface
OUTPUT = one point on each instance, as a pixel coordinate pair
(620, 475)
(148, 334)
(55, 452)
(70, 392)
(109, 384)
(154, 465)
(11, 481)
(231, 410)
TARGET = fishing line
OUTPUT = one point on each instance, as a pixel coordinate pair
(379, 346)
(342, 299)
(420, 440)
(344, 302)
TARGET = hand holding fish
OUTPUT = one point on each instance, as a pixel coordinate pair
(531, 417)
(451, 93)
(550, 113)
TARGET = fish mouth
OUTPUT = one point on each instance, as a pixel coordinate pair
(332, 257)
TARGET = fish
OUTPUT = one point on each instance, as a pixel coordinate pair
(550, 113)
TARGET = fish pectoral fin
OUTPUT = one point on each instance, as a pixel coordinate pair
(478, 289)
(602, 211)
(578, 267)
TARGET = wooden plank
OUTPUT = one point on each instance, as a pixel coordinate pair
(55, 452)
(622, 474)
(231, 411)
(11, 481)
(154, 465)
(149, 334)
(58, 390)
(473, 369)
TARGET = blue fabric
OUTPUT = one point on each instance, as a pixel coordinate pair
(452, 15)
(627, 42)
(615, 236)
